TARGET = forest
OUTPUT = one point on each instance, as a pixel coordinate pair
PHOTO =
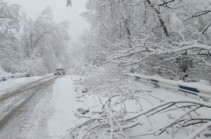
(32, 46)
(168, 39)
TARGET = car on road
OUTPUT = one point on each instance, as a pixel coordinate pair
(59, 72)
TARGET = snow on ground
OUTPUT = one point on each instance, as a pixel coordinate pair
(56, 110)
(51, 113)
(155, 96)
(66, 101)
(64, 105)
(149, 96)
(3, 73)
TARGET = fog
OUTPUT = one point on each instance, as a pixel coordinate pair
(61, 13)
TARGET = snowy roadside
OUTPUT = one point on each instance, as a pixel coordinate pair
(158, 96)
(51, 113)
(57, 109)
(63, 104)
(99, 120)
(66, 101)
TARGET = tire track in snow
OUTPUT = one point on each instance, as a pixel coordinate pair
(26, 94)
(22, 88)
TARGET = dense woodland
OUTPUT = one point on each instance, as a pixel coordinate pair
(34, 46)
(168, 38)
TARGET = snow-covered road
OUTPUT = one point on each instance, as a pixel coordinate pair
(43, 108)
(49, 107)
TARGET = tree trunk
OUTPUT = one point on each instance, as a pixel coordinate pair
(162, 23)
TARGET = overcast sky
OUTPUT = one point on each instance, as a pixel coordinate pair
(60, 11)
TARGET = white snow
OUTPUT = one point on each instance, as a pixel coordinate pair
(56, 110)
(3, 73)
(66, 101)
(52, 113)
(64, 105)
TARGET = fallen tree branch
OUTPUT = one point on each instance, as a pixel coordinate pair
(116, 125)
(197, 132)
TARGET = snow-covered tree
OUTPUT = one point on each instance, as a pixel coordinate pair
(45, 40)
(10, 23)
(133, 33)
(165, 37)
(32, 46)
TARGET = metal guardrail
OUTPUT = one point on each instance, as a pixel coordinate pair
(204, 92)
(4, 78)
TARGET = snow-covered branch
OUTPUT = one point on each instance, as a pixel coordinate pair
(181, 121)
(200, 130)
(193, 46)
